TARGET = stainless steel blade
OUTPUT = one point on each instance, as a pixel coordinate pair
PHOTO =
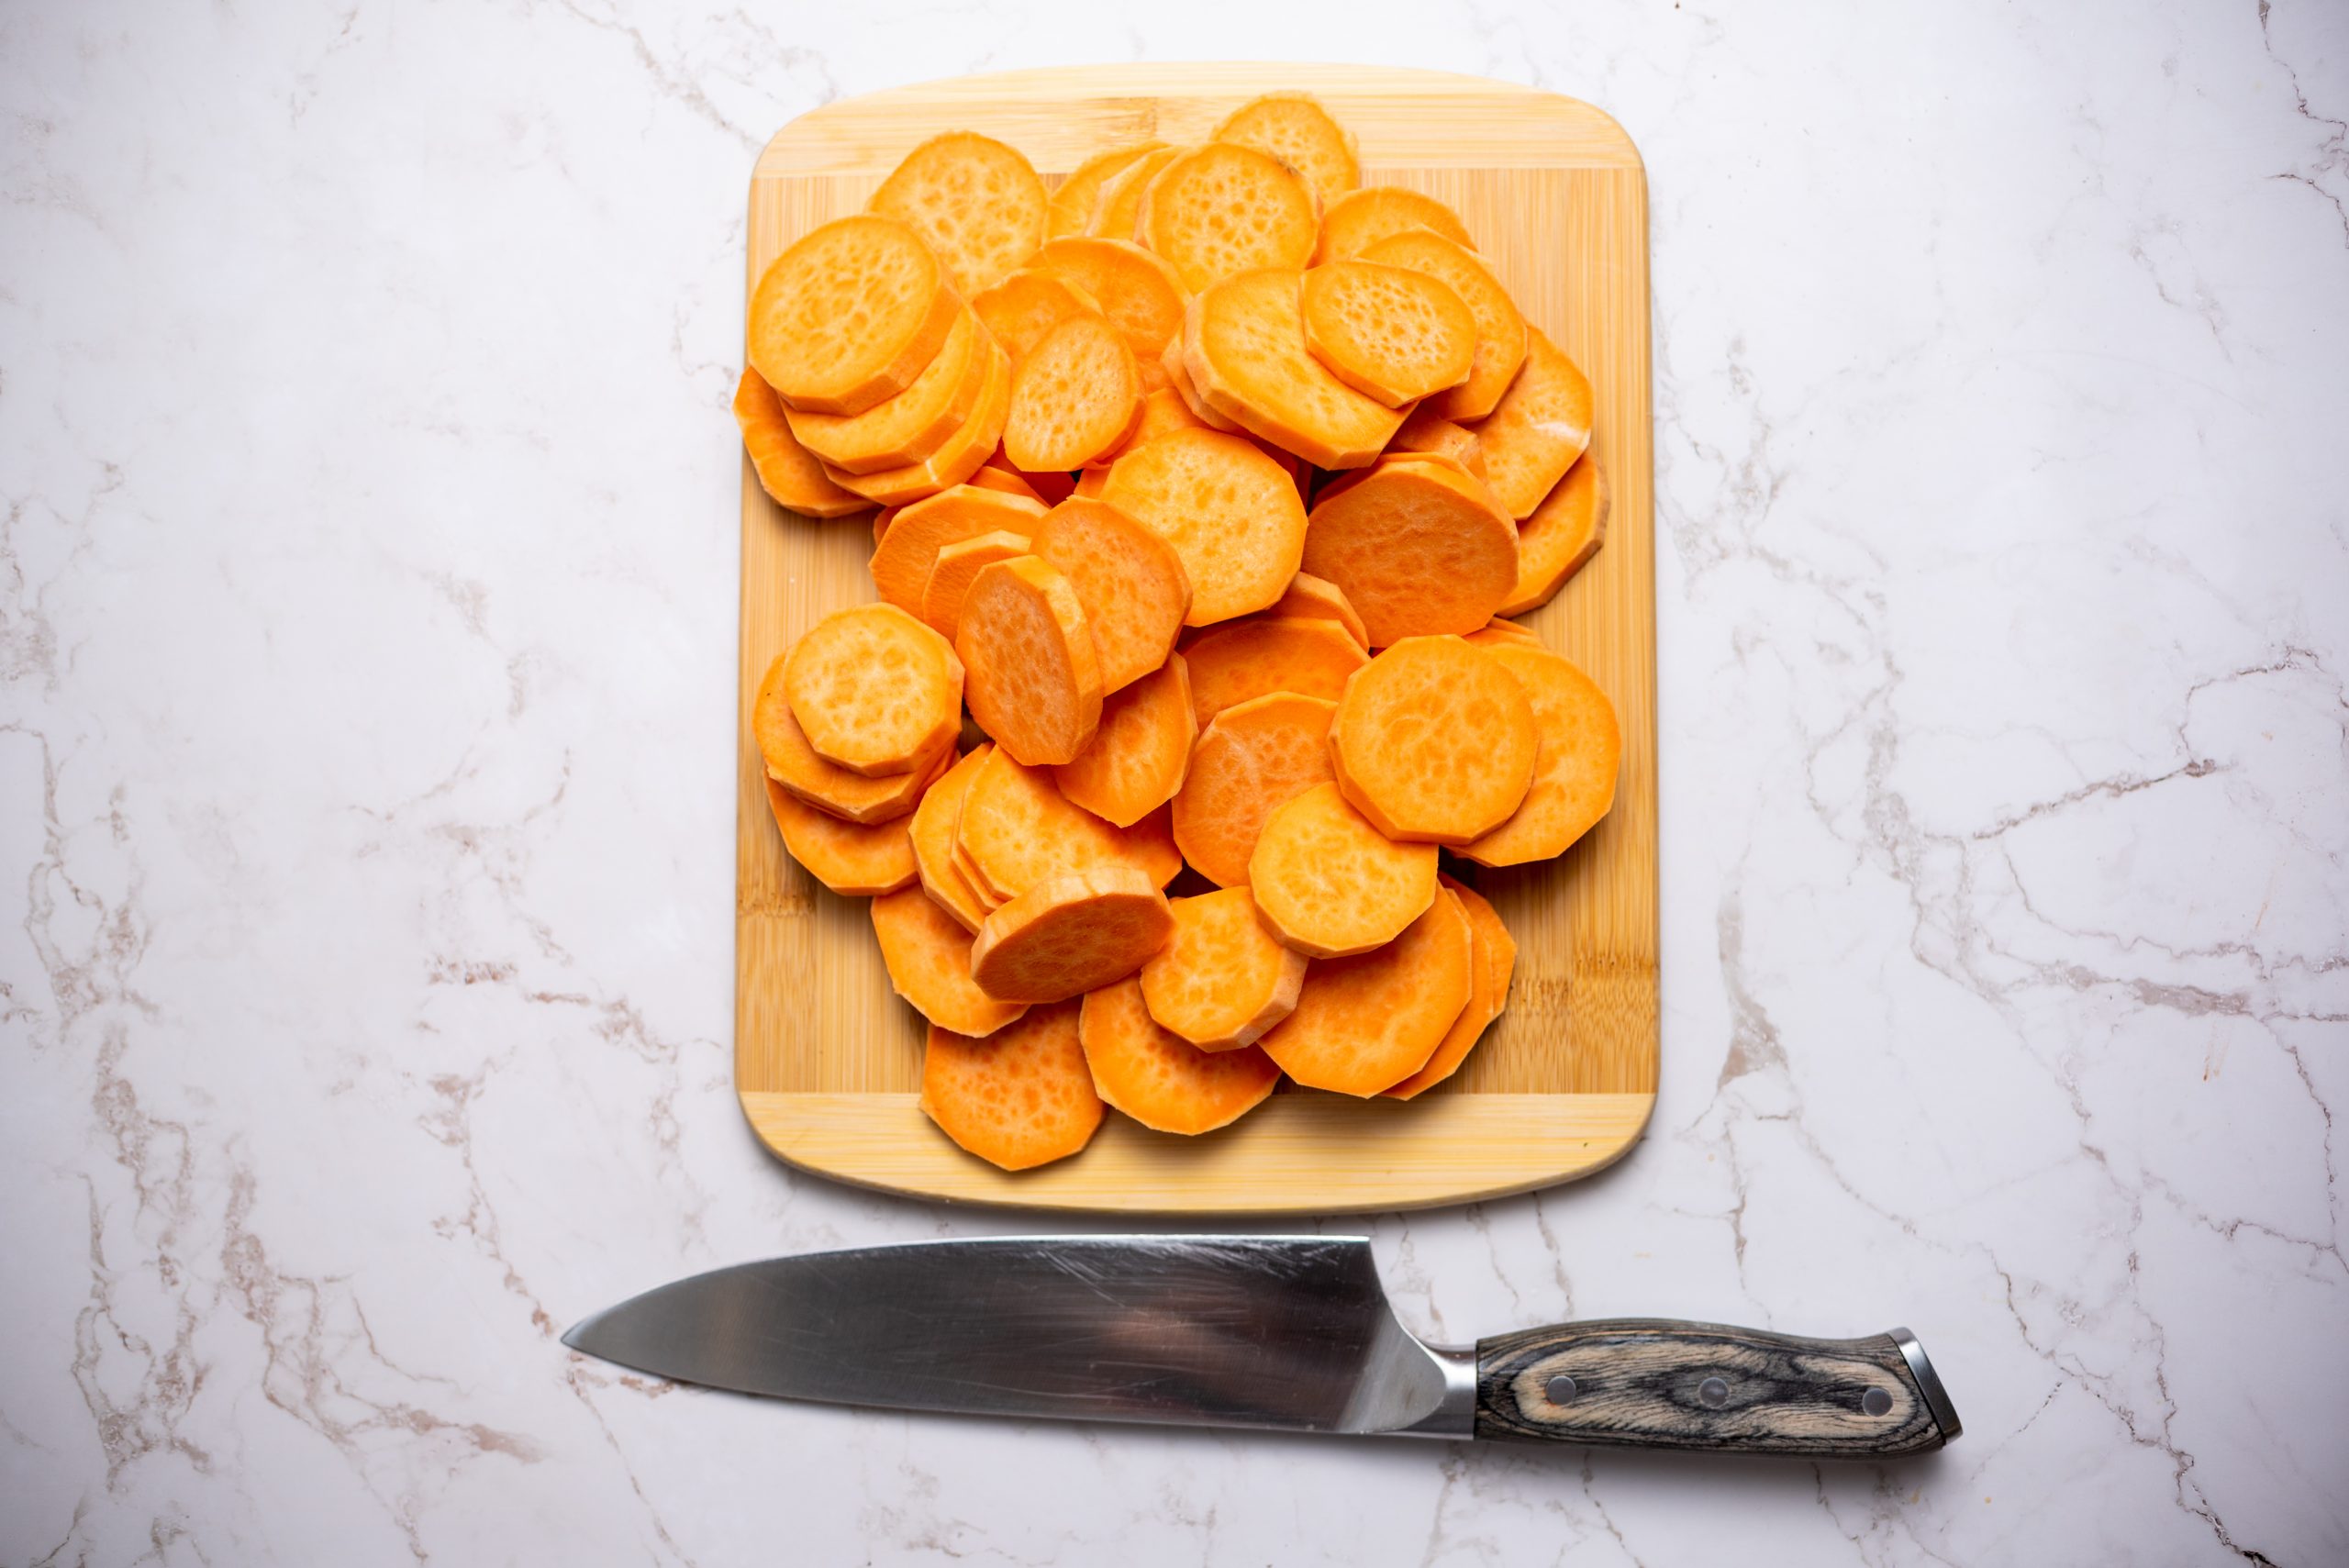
(1273, 1331)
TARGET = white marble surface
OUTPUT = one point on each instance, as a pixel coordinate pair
(366, 621)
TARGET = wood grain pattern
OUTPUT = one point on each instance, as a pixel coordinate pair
(826, 1058)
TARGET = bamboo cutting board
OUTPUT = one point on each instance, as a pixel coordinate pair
(827, 1060)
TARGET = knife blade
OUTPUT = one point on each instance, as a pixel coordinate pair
(1275, 1333)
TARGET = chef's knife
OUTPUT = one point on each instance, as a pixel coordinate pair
(1279, 1332)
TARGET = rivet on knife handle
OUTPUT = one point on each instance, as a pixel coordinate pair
(1641, 1383)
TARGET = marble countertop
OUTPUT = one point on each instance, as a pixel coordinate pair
(367, 565)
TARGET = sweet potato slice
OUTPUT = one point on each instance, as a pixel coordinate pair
(875, 690)
(1131, 581)
(1035, 681)
(1574, 777)
(1071, 934)
(931, 833)
(793, 764)
(1018, 830)
(950, 574)
(1156, 1077)
(1241, 660)
(1231, 514)
(1225, 208)
(1051, 486)
(1434, 742)
(1243, 347)
(790, 474)
(1418, 546)
(1221, 980)
(1497, 631)
(1120, 204)
(1295, 129)
(1071, 208)
(1004, 481)
(1254, 757)
(1432, 433)
(1389, 333)
(1179, 381)
(1309, 597)
(928, 955)
(1135, 761)
(1494, 961)
(1360, 220)
(1565, 532)
(1541, 425)
(1162, 411)
(1020, 1099)
(849, 858)
(903, 558)
(1364, 1023)
(1328, 884)
(1136, 290)
(1026, 306)
(1076, 395)
(988, 898)
(851, 313)
(909, 428)
(1500, 329)
(956, 460)
(975, 201)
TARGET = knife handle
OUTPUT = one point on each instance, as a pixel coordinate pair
(1652, 1383)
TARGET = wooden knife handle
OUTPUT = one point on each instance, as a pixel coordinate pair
(1644, 1382)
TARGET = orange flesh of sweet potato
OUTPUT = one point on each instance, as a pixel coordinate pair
(909, 428)
(1434, 742)
(1309, 597)
(850, 859)
(1243, 347)
(1574, 777)
(1253, 759)
(1419, 548)
(1090, 483)
(1494, 959)
(986, 898)
(932, 835)
(1136, 290)
(1432, 433)
(905, 554)
(1565, 532)
(1541, 427)
(1027, 305)
(1119, 203)
(793, 764)
(1018, 830)
(1224, 208)
(1389, 333)
(1231, 514)
(1020, 1099)
(950, 574)
(1162, 411)
(851, 313)
(1360, 220)
(1050, 487)
(1155, 1077)
(1178, 380)
(790, 474)
(875, 690)
(1245, 660)
(1135, 761)
(1500, 329)
(1221, 980)
(956, 460)
(1498, 632)
(1328, 884)
(1076, 395)
(1296, 129)
(1071, 206)
(1035, 681)
(975, 202)
(1072, 934)
(1131, 581)
(928, 955)
(1364, 1024)
(1004, 481)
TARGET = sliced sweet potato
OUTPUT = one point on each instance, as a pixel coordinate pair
(1135, 761)
(1027, 305)
(1434, 742)
(928, 955)
(1221, 980)
(1309, 597)
(1131, 581)
(851, 313)
(1243, 349)
(1162, 411)
(790, 474)
(1076, 395)
(1565, 532)
(975, 201)
(793, 764)
(881, 521)
(1035, 681)
(1360, 220)
(1500, 329)
(1364, 1023)
(849, 858)
(1157, 1078)
(1136, 290)
(1225, 208)
(931, 833)
(1389, 333)
(1295, 129)
(1541, 425)
(1020, 1099)
(1241, 660)
(1328, 884)
(1178, 380)
(1574, 777)
(989, 899)
(1430, 432)
(905, 554)
(950, 574)
(956, 460)
(1071, 208)
(1072, 934)
(1004, 481)
(1498, 632)
(1120, 204)
(1254, 757)
(1493, 957)
(909, 428)
(875, 690)
(1418, 546)
(1018, 830)
(1231, 514)
(1051, 486)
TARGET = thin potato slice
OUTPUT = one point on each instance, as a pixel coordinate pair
(850, 314)
(907, 552)
(1500, 329)
(1430, 432)
(875, 690)
(1135, 289)
(929, 956)
(1077, 393)
(1119, 203)
(1565, 532)
(1035, 681)
(850, 859)
(793, 764)
(1026, 306)
(1225, 208)
(1418, 546)
(1242, 661)
(1131, 581)
(1329, 884)
(1231, 514)
(1389, 333)
(1073, 934)
(1295, 129)
(1162, 411)
(910, 426)
(1071, 208)
(1493, 954)
(973, 200)
(1221, 980)
(952, 462)
(931, 834)
(1004, 481)
(1364, 1024)
(1254, 757)
(1157, 1078)
(1243, 347)
(1360, 220)
(1179, 381)
(1018, 830)
(1498, 632)
(1021, 1098)
(1317, 598)
(1573, 778)
(1434, 742)
(1135, 761)
(1538, 431)
(951, 571)
(790, 474)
